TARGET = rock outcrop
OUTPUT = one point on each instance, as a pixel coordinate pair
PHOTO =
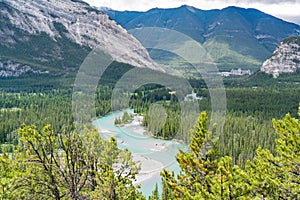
(285, 59)
(44, 29)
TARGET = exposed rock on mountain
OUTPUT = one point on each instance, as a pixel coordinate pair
(14, 69)
(285, 59)
(56, 36)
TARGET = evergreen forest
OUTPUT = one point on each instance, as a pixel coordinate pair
(43, 155)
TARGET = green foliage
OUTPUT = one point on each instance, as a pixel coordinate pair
(126, 118)
(248, 123)
(118, 121)
(292, 39)
(252, 102)
(67, 165)
(33, 108)
(277, 175)
(243, 133)
(7, 148)
(265, 81)
(155, 194)
(204, 175)
(227, 59)
(116, 173)
(9, 178)
(166, 191)
(270, 102)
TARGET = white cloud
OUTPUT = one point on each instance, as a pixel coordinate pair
(288, 9)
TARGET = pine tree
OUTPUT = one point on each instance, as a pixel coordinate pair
(115, 174)
(155, 194)
(9, 172)
(278, 176)
(166, 192)
(204, 175)
(73, 166)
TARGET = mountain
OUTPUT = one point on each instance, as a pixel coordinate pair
(235, 37)
(285, 58)
(54, 36)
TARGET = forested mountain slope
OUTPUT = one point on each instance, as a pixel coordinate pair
(235, 37)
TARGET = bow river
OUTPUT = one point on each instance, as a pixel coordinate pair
(153, 154)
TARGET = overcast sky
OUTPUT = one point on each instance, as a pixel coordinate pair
(288, 10)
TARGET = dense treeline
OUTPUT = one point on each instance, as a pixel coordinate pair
(53, 106)
(248, 123)
(248, 119)
(33, 108)
(45, 99)
(261, 103)
(272, 102)
(242, 134)
(51, 164)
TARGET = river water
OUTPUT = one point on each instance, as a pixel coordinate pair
(153, 154)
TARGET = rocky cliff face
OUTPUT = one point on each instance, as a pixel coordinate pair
(285, 59)
(10, 68)
(44, 32)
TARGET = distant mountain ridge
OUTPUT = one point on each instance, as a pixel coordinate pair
(235, 37)
(54, 37)
(285, 58)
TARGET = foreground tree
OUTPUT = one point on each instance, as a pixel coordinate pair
(68, 165)
(155, 194)
(278, 176)
(8, 178)
(114, 178)
(204, 175)
(41, 160)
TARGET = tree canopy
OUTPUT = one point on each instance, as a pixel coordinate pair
(206, 175)
(67, 165)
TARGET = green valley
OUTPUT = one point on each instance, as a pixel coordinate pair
(147, 103)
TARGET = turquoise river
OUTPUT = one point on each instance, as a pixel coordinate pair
(153, 154)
